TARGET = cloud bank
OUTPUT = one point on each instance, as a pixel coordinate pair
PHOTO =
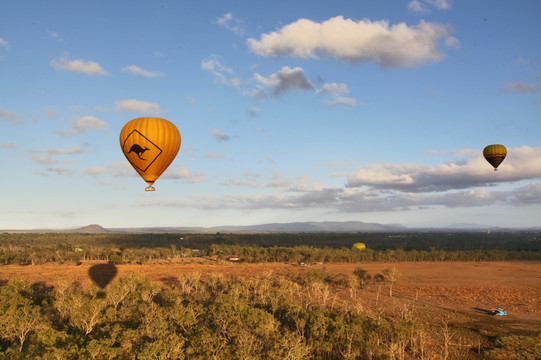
(521, 164)
(390, 187)
(353, 41)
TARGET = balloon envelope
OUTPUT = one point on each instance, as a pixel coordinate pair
(150, 144)
(359, 246)
(495, 154)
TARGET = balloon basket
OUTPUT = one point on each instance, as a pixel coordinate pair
(150, 188)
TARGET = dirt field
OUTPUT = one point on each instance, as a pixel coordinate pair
(458, 293)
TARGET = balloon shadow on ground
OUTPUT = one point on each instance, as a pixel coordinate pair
(102, 275)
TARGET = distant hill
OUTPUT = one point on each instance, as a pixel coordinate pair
(294, 227)
(325, 226)
(89, 229)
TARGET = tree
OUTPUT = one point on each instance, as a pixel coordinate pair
(362, 276)
(391, 277)
(19, 315)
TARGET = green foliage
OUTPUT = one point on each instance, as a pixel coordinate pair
(265, 317)
(269, 317)
(516, 348)
(36, 248)
(20, 316)
(362, 276)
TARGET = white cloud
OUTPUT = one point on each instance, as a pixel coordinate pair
(124, 169)
(182, 173)
(221, 73)
(96, 170)
(81, 124)
(522, 87)
(121, 168)
(4, 44)
(72, 151)
(84, 123)
(441, 4)
(53, 35)
(44, 160)
(284, 80)
(382, 187)
(358, 200)
(177, 172)
(529, 194)
(418, 7)
(521, 164)
(59, 171)
(424, 6)
(7, 146)
(138, 71)
(138, 106)
(11, 117)
(336, 91)
(83, 66)
(341, 100)
(101, 108)
(215, 156)
(231, 23)
(275, 180)
(357, 41)
(52, 112)
(334, 88)
(220, 136)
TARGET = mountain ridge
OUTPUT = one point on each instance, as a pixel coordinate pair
(292, 227)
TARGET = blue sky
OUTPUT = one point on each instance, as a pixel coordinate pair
(375, 111)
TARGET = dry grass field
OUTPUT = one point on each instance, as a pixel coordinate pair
(458, 294)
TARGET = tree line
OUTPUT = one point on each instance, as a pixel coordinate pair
(31, 249)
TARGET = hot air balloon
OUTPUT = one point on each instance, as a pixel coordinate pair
(150, 144)
(359, 246)
(495, 154)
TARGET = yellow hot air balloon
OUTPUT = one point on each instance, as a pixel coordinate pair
(150, 144)
(359, 246)
(495, 154)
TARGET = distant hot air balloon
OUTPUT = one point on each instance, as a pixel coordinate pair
(495, 154)
(359, 246)
(150, 144)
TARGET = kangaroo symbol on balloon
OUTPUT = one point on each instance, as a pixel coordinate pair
(150, 145)
(136, 148)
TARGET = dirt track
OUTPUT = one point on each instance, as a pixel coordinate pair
(459, 292)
